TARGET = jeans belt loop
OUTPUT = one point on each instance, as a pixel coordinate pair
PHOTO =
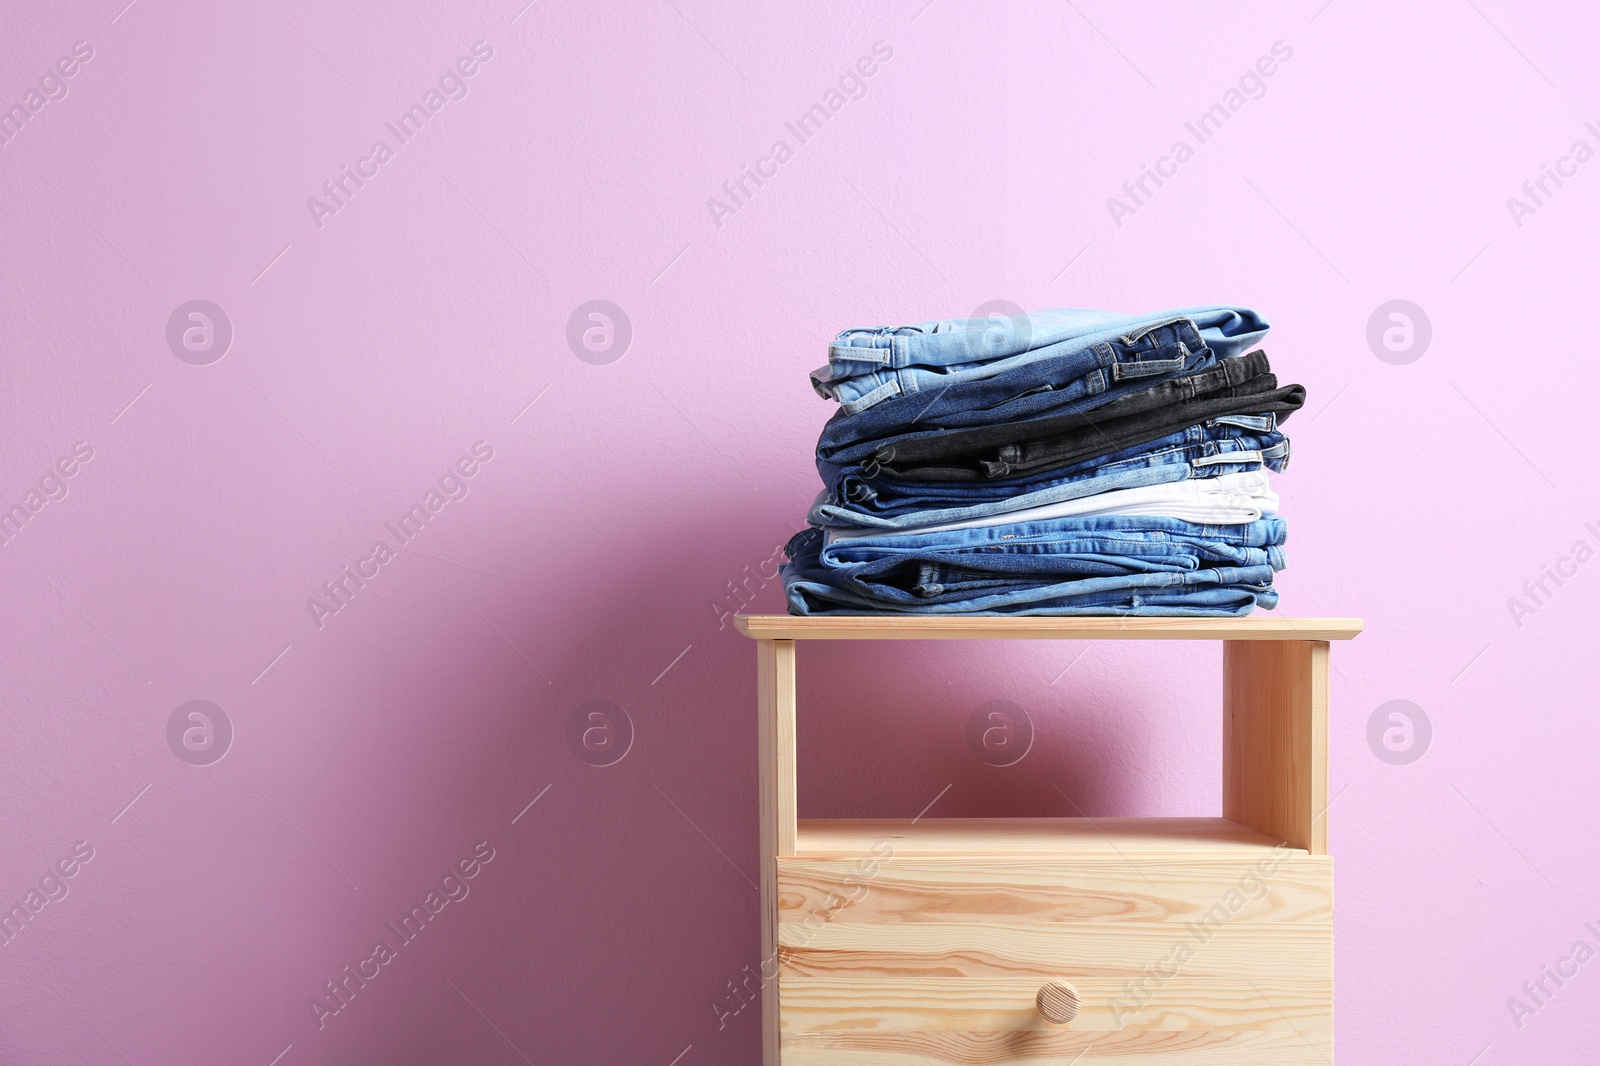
(852, 354)
(882, 392)
(1221, 458)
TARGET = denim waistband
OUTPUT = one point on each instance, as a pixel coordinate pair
(1069, 373)
(1231, 377)
(853, 499)
(1075, 579)
(1118, 534)
(1099, 439)
(862, 480)
(869, 366)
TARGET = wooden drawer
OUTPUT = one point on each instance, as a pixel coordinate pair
(1204, 944)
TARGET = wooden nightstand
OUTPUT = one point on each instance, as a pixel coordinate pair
(1054, 941)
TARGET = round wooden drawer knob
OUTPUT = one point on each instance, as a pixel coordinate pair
(1058, 1002)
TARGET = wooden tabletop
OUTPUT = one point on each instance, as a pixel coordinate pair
(994, 627)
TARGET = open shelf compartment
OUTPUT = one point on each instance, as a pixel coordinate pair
(845, 838)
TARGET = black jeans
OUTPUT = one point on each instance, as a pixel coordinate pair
(1232, 377)
(1105, 437)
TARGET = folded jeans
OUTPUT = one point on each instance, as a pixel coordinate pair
(1230, 499)
(1230, 378)
(1068, 378)
(1210, 601)
(1262, 409)
(854, 499)
(868, 366)
(1060, 561)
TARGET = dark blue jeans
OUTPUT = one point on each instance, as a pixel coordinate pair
(854, 498)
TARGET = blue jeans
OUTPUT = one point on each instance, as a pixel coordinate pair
(1241, 376)
(1103, 564)
(1073, 378)
(854, 498)
(867, 366)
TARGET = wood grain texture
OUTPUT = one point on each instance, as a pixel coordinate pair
(1057, 1002)
(899, 1004)
(1226, 958)
(981, 627)
(1079, 837)
(1287, 886)
(775, 685)
(1009, 960)
(775, 742)
(1275, 739)
(1050, 1046)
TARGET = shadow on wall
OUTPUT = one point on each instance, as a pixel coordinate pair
(614, 775)
(975, 729)
(616, 781)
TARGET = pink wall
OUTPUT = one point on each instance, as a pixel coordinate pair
(372, 347)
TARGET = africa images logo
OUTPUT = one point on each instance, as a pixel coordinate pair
(452, 85)
(1251, 85)
(452, 485)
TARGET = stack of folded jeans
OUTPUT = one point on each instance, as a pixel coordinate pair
(1067, 462)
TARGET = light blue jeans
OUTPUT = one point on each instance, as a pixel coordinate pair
(866, 366)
